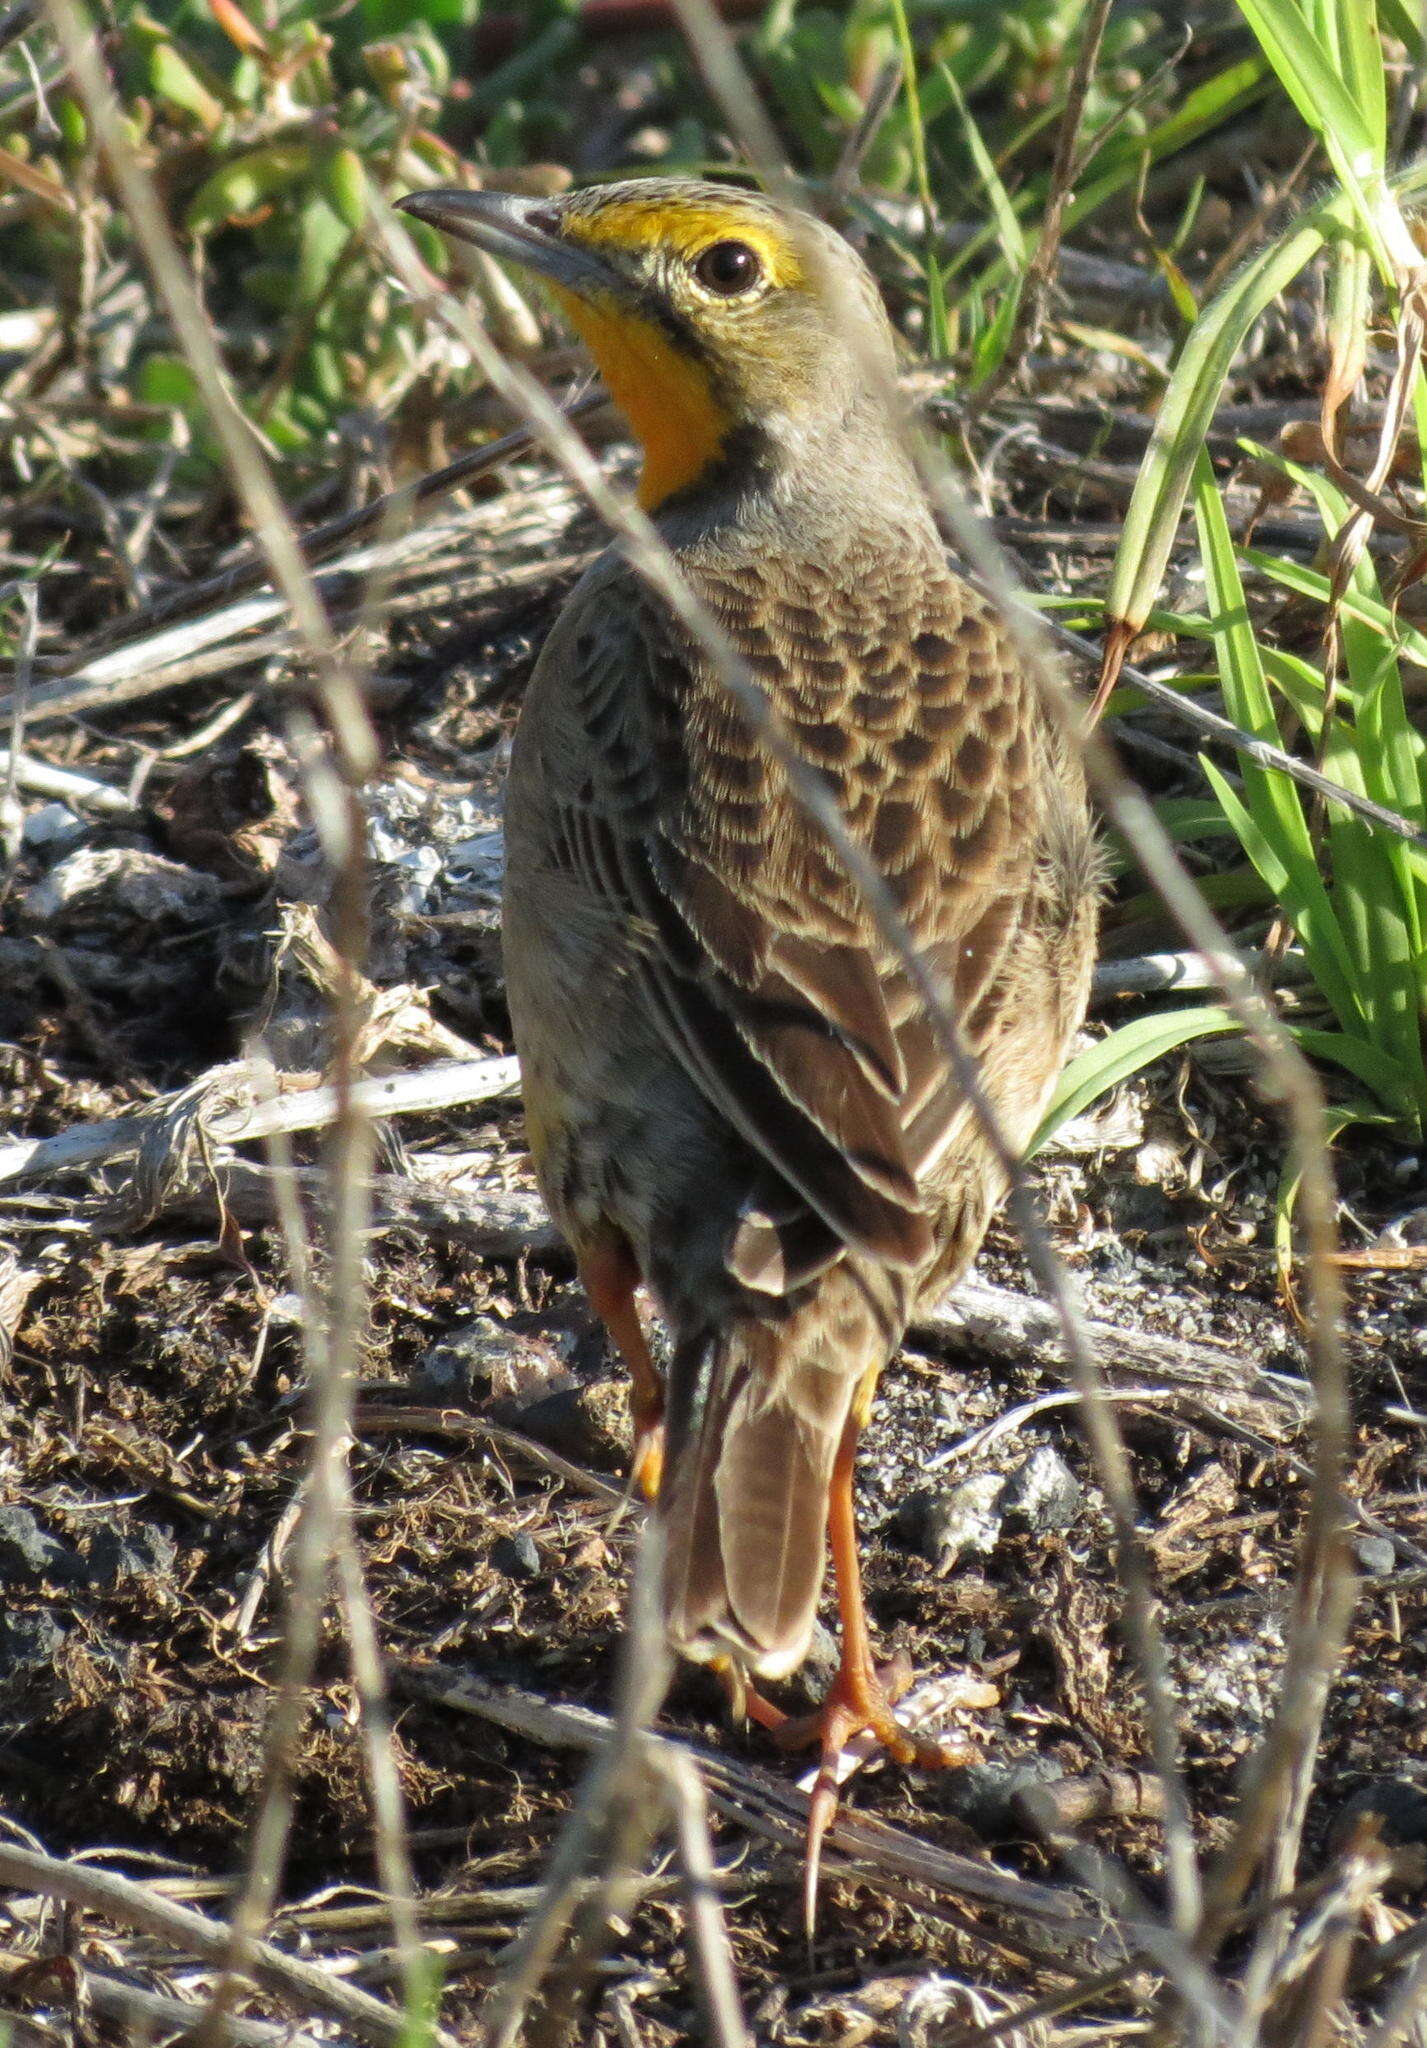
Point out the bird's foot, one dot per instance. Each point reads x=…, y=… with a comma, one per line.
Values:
x=855, y=1700
x=859, y=1701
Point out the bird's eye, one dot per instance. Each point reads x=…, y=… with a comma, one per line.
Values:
x=728, y=268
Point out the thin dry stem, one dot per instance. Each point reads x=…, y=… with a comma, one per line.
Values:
x=19, y=703
x=1272, y=1809
x=713, y=46
x=614, y=1816
x=333, y=770
x=306, y=1987
x=252, y=479
x=708, y=1930
x=1405, y=2009
x=1261, y=752
x=1066, y=168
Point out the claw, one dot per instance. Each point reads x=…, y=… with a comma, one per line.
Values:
x=860, y=1699
x=745, y=1702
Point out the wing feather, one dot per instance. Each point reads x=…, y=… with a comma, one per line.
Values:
x=760, y=966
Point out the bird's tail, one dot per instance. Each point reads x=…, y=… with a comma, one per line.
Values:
x=756, y=1413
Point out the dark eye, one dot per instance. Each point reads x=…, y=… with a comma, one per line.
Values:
x=728, y=268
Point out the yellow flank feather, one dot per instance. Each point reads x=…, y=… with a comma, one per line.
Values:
x=664, y=393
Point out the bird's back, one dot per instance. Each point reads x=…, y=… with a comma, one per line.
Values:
x=706, y=980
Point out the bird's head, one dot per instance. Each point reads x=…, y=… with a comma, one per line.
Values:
x=727, y=328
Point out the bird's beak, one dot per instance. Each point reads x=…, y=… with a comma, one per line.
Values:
x=519, y=230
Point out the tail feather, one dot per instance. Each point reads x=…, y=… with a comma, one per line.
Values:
x=753, y=1432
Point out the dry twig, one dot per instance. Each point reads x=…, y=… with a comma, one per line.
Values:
x=306, y=1987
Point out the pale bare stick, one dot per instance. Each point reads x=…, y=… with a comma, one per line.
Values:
x=305, y=1986
x=233, y=1113
x=766, y=1805
x=708, y=1932
x=1067, y=165
x=614, y=1816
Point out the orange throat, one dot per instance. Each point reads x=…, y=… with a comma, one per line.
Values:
x=665, y=394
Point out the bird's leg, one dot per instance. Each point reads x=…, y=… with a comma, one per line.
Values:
x=860, y=1696
x=745, y=1702
x=610, y=1278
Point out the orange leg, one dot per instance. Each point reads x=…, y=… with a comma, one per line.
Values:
x=745, y=1702
x=610, y=1278
x=861, y=1696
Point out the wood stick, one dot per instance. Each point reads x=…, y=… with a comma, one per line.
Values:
x=757, y=1802
x=1019, y=1327
x=305, y=1986
x=247, y=1103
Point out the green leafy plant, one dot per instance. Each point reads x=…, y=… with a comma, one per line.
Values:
x=1350, y=895
x=1361, y=915
x=268, y=134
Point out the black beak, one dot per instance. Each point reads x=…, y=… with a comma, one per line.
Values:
x=525, y=231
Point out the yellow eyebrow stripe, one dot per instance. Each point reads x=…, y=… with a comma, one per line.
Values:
x=636, y=224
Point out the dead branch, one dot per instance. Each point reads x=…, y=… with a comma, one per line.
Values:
x=306, y=1987
x=235, y=1104
x=763, y=1804
x=1017, y=1327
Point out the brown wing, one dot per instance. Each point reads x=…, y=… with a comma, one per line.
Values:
x=759, y=962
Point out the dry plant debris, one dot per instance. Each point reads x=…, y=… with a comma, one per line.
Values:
x=153, y=1436
x=166, y=974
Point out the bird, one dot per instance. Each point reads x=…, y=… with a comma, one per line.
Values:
x=736, y=1098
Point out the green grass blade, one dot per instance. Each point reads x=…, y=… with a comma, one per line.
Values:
x=1187, y=820
x=1209, y=106
x=1354, y=135
x=1300, y=685
x=1305, y=582
x=1226, y=893
x=938, y=326
x=1123, y=1052
x=1419, y=417
x=1380, y=894
x=1366, y=1062
x=1188, y=408
x=1371, y=913
x=1403, y=19
x=1010, y=234
x=1308, y=75
x=1348, y=30
x=1391, y=752
x=1120, y=164
x=995, y=337
x=1299, y=890
x=1350, y=288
